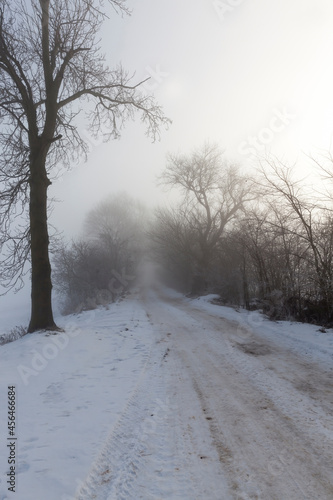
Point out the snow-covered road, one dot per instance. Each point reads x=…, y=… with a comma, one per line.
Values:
x=221, y=413
x=171, y=398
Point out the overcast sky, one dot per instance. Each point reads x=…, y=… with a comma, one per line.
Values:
x=251, y=75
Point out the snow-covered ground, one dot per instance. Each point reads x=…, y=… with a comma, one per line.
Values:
x=306, y=340
x=71, y=389
x=164, y=397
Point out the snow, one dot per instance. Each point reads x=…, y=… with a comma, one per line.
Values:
x=71, y=389
x=305, y=339
x=127, y=403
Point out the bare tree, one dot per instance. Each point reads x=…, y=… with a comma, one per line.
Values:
x=49, y=62
x=311, y=222
x=172, y=244
x=214, y=192
x=118, y=225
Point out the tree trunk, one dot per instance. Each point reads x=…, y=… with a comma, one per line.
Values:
x=41, y=285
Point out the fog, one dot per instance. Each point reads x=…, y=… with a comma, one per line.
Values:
x=252, y=76
x=222, y=72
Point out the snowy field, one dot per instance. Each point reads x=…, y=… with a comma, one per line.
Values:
x=71, y=389
x=164, y=397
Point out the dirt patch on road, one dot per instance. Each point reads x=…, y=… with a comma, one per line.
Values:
x=254, y=348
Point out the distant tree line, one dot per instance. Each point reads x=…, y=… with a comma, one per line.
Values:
x=263, y=242
x=95, y=269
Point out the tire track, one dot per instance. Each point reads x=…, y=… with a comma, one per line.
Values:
x=117, y=462
x=138, y=460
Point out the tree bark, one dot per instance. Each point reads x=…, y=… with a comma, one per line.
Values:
x=41, y=285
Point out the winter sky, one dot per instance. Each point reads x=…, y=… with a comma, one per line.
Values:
x=251, y=75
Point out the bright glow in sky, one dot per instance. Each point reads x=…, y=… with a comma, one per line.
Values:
x=233, y=72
